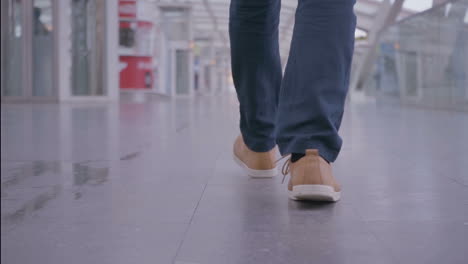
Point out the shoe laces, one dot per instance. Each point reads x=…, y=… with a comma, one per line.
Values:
x=285, y=169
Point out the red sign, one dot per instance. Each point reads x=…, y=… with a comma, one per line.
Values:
x=127, y=9
x=136, y=72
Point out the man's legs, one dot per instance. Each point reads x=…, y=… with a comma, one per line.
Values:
x=316, y=78
x=256, y=68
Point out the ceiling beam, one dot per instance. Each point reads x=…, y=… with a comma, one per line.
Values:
x=209, y=10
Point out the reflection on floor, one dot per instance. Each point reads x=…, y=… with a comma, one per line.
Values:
x=155, y=183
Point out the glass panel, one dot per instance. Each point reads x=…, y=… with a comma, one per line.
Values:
x=169, y=73
x=88, y=47
x=411, y=74
x=431, y=57
x=207, y=79
x=175, y=23
x=182, y=72
x=388, y=75
x=12, y=48
x=42, y=48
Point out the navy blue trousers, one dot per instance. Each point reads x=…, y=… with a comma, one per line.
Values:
x=302, y=109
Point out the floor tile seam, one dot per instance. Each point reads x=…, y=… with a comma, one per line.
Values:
x=194, y=212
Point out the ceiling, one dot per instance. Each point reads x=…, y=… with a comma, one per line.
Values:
x=211, y=19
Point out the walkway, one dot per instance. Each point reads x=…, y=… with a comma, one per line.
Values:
x=155, y=183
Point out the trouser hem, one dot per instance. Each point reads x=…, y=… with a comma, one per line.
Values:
x=257, y=145
x=301, y=146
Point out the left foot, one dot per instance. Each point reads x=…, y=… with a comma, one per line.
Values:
x=255, y=164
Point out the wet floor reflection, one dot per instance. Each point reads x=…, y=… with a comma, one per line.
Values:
x=15, y=175
x=130, y=156
x=76, y=147
x=28, y=187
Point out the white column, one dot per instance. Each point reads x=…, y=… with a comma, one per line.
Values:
x=112, y=44
x=62, y=25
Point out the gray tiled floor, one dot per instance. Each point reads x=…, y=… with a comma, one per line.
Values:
x=155, y=183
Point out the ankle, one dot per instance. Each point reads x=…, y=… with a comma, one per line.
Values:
x=296, y=156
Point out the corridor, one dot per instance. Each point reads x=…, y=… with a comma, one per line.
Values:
x=154, y=182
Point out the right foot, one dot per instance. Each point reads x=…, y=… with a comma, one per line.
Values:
x=312, y=179
x=255, y=164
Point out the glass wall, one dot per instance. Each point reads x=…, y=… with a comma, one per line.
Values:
x=12, y=47
x=27, y=49
x=88, y=47
x=176, y=52
x=57, y=50
x=423, y=59
x=182, y=72
x=42, y=48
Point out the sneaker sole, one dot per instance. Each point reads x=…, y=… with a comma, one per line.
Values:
x=255, y=173
x=314, y=192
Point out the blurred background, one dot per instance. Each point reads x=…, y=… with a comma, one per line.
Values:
x=411, y=51
x=117, y=120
